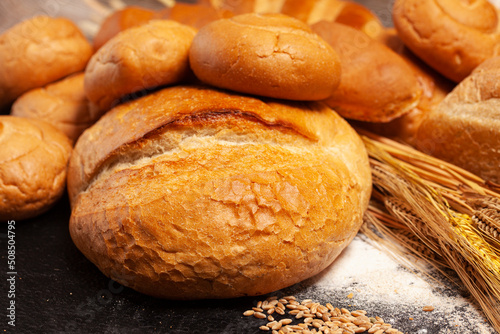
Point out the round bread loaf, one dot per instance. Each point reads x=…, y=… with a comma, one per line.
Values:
x=37, y=52
x=137, y=60
x=464, y=129
x=270, y=55
x=33, y=162
x=62, y=104
x=451, y=36
x=192, y=193
x=377, y=85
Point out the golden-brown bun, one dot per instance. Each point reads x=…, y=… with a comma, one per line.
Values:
x=194, y=193
x=128, y=17
x=453, y=37
x=434, y=88
x=39, y=51
x=33, y=161
x=465, y=128
x=62, y=104
x=377, y=85
x=138, y=59
x=270, y=55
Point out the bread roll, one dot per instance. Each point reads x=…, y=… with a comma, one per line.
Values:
x=192, y=193
x=33, y=160
x=465, y=128
x=39, y=51
x=62, y=104
x=137, y=60
x=270, y=55
x=434, y=88
x=377, y=85
x=128, y=17
x=453, y=37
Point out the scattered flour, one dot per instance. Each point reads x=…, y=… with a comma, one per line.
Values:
x=374, y=280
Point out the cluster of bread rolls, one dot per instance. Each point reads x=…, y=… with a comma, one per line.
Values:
x=212, y=155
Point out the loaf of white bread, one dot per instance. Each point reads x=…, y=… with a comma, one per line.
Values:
x=191, y=192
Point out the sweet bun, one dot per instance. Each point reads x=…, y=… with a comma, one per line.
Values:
x=33, y=162
x=138, y=59
x=453, y=37
x=123, y=19
x=62, y=104
x=197, y=193
x=270, y=55
x=377, y=85
x=37, y=52
x=465, y=127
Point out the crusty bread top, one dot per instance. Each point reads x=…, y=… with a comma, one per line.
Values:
x=193, y=185
x=464, y=129
x=453, y=37
x=271, y=55
x=33, y=160
x=377, y=85
x=62, y=103
x=312, y=121
x=39, y=51
x=137, y=60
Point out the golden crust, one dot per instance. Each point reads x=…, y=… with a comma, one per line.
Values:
x=223, y=196
x=453, y=37
x=33, y=161
x=377, y=85
x=37, y=52
x=270, y=55
x=137, y=60
x=62, y=104
x=465, y=127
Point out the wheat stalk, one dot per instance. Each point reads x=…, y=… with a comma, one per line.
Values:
x=438, y=212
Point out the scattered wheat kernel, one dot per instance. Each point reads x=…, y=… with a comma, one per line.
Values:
x=411, y=318
x=280, y=305
x=286, y=321
x=275, y=332
x=350, y=295
x=330, y=307
x=291, y=306
x=264, y=328
x=259, y=304
x=428, y=308
x=295, y=312
x=360, y=330
x=380, y=331
x=270, y=318
x=259, y=315
x=308, y=320
x=257, y=309
x=280, y=311
x=283, y=301
x=271, y=298
x=277, y=326
x=289, y=298
x=271, y=310
x=248, y=313
x=271, y=324
x=299, y=315
x=306, y=301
